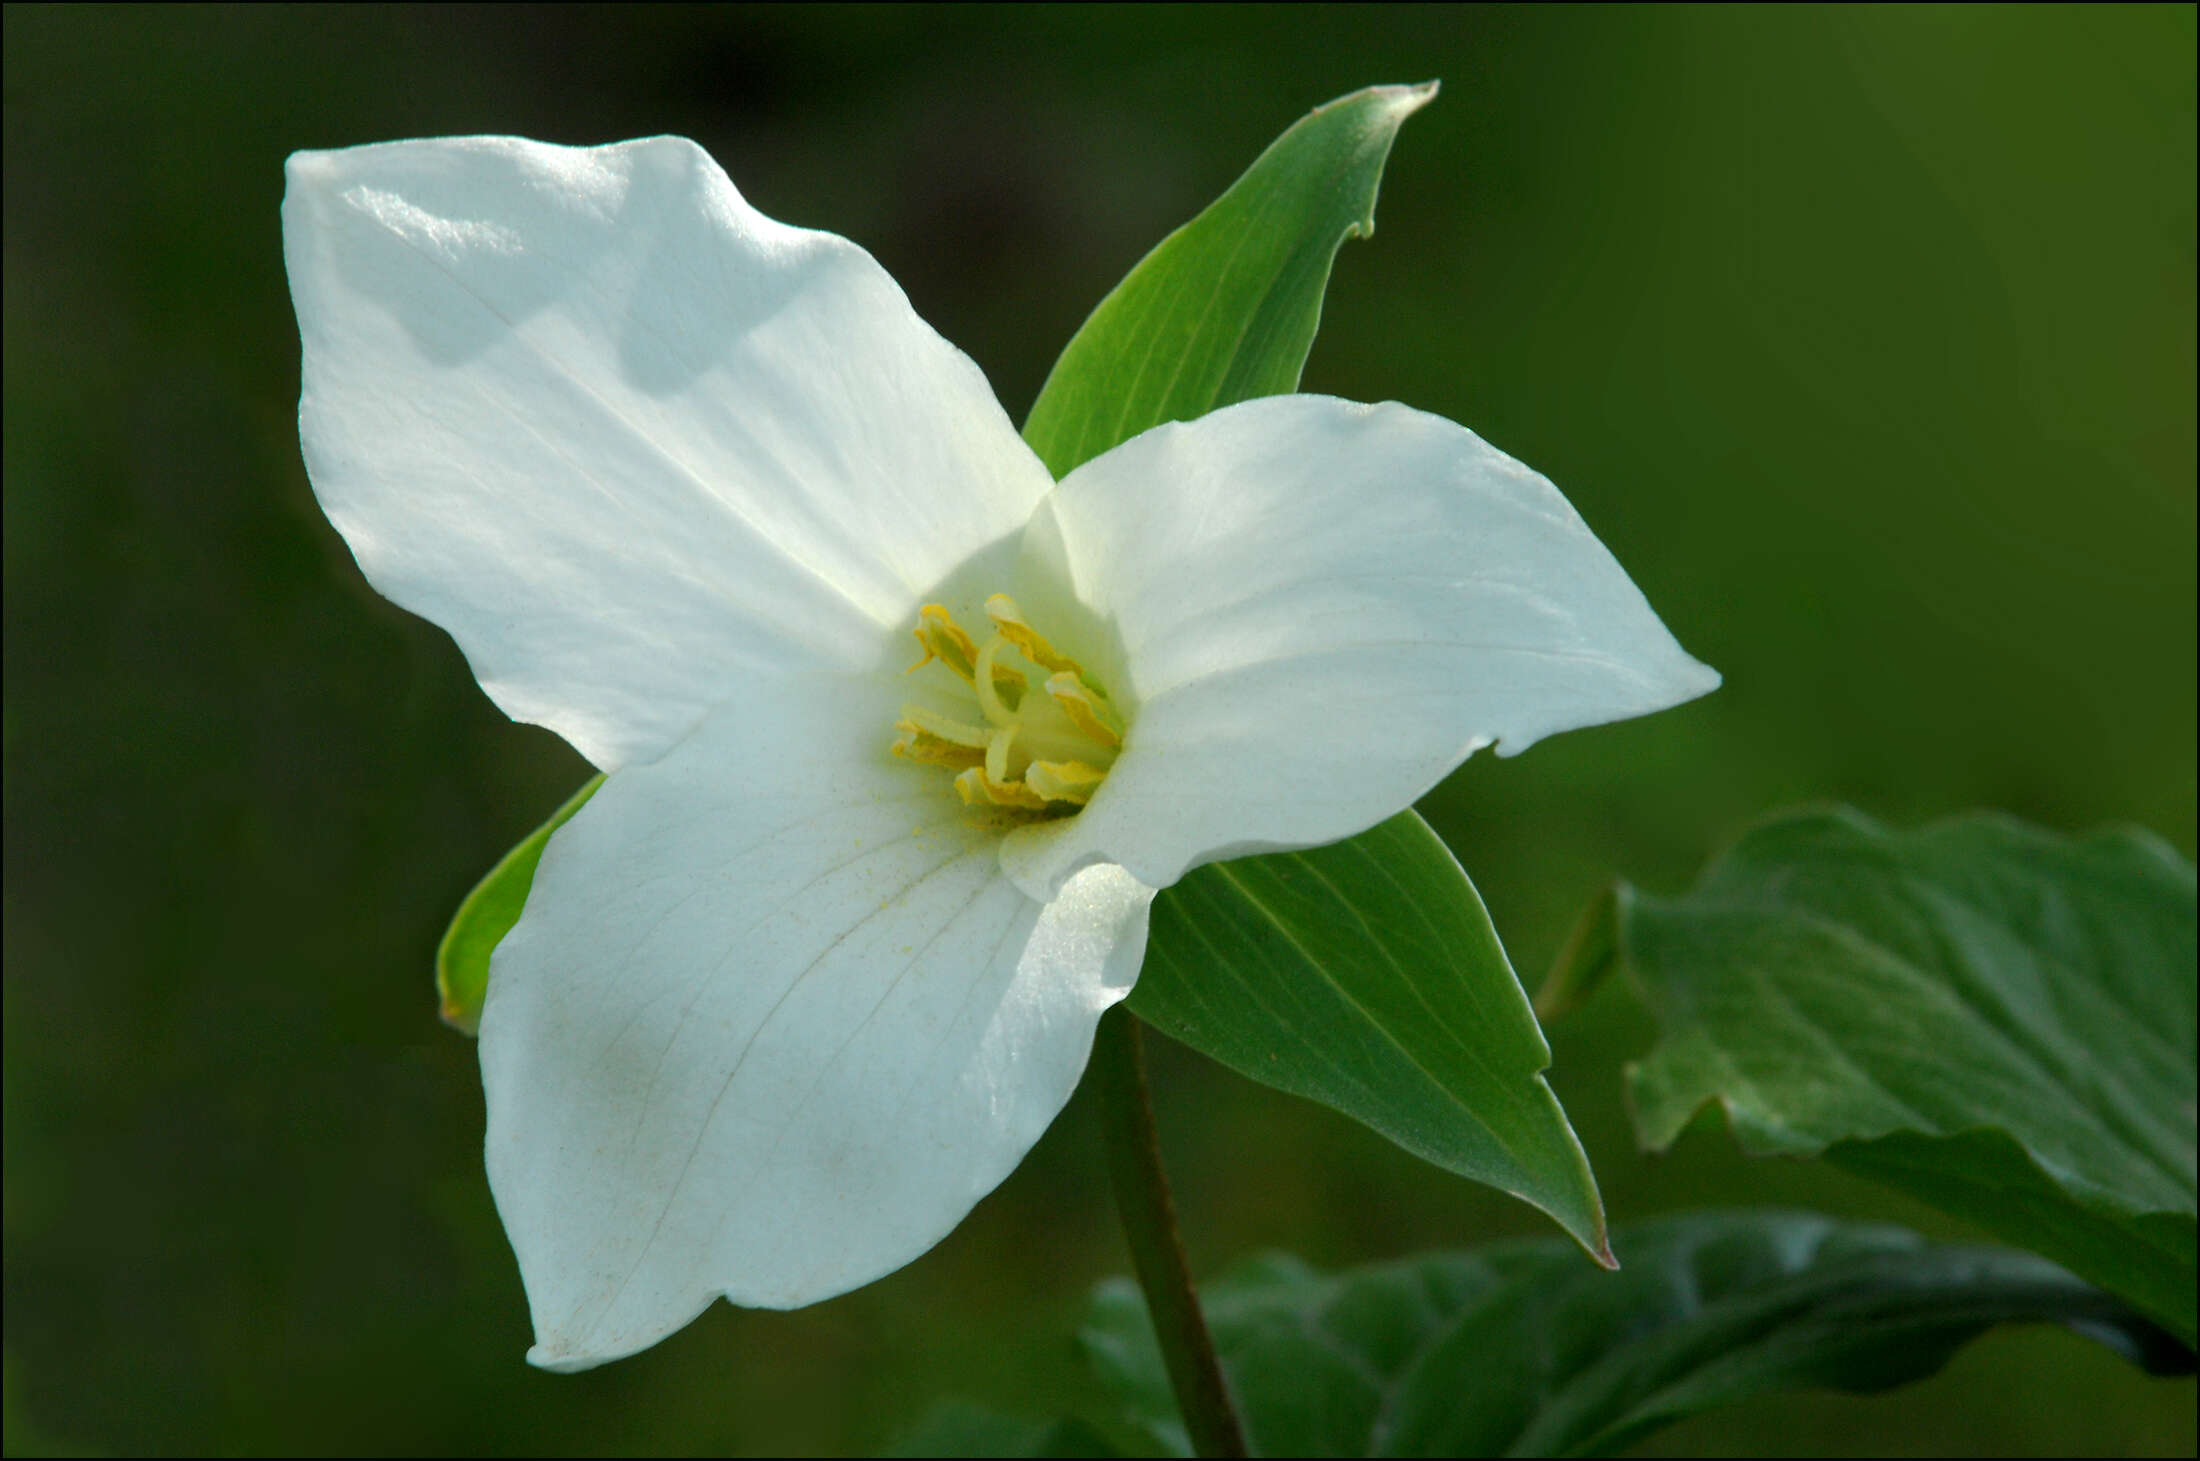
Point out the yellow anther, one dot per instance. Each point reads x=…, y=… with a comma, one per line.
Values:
x=1064, y=781
x=978, y=789
x=1092, y=714
x=944, y=640
x=928, y=749
x=946, y=727
x=1020, y=753
x=1009, y=619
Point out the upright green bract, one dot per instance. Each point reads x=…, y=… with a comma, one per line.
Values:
x=1991, y=1018
x=1365, y=976
x=1225, y=308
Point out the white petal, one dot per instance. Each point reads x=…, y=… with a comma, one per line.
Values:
x=1320, y=609
x=621, y=434
x=773, y=1021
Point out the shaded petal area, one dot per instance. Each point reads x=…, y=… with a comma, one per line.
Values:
x=774, y=1021
x=1318, y=610
x=620, y=433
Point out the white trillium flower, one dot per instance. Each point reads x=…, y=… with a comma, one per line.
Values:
x=822, y=959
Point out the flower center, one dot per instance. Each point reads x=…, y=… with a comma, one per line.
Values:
x=1043, y=751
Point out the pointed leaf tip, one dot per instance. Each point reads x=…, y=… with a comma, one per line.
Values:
x=1359, y=975
x=1225, y=308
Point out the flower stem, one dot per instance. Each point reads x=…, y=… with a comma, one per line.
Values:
x=1149, y=1222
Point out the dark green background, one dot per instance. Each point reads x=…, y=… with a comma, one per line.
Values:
x=1864, y=338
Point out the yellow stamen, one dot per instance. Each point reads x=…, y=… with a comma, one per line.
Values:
x=1064, y=781
x=1018, y=753
x=947, y=728
x=978, y=789
x=927, y=749
x=944, y=640
x=1092, y=714
x=1009, y=619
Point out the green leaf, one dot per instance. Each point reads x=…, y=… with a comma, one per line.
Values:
x=1520, y=1349
x=1993, y=1019
x=1366, y=975
x=487, y=915
x=1225, y=308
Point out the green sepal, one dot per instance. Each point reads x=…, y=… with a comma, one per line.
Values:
x=487, y=915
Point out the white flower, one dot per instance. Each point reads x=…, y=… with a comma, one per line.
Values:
x=823, y=958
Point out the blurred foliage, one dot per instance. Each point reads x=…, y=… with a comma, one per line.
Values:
x=1865, y=338
x=1518, y=1348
